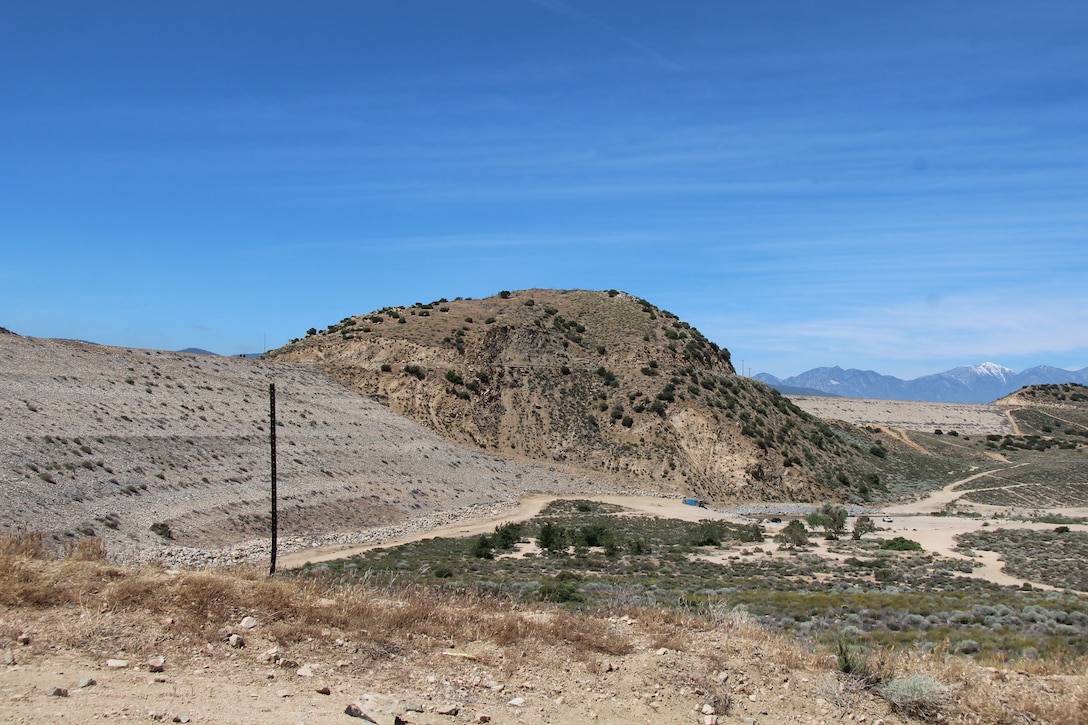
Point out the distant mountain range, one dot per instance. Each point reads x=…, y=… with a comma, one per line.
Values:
x=966, y=384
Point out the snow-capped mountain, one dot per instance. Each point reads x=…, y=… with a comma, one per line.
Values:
x=980, y=383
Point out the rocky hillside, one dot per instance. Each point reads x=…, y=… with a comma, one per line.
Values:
x=1057, y=411
x=599, y=381
x=154, y=450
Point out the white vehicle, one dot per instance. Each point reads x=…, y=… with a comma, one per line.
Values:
x=887, y=519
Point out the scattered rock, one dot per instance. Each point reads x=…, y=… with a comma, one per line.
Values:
x=57, y=692
x=710, y=720
x=236, y=641
x=156, y=664
x=117, y=664
x=662, y=651
x=305, y=671
x=354, y=710
x=248, y=623
x=7, y=657
x=450, y=710
x=323, y=690
x=86, y=682
x=413, y=707
x=708, y=709
x=284, y=693
x=24, y=639
x=481, y=718
x=181, y=717
x=517, y=702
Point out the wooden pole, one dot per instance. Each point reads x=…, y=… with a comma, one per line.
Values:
x=272, y=441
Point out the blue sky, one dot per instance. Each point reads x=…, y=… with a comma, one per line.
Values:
x=899, y=187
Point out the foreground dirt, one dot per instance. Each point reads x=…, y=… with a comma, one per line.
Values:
x=432, y=660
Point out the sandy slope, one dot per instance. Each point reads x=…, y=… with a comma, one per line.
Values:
x=108, y=441
x=968, y=418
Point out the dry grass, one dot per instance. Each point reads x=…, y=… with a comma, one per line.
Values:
x=86, y=604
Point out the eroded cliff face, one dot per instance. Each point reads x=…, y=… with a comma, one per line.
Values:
x=592, y=381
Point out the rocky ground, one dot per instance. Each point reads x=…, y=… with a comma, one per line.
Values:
x=161, y=645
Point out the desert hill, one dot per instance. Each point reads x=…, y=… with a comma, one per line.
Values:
x=601, y=382
x=1049, y=410
x=110, y=442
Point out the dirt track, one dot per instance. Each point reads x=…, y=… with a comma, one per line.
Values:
x=528, y=507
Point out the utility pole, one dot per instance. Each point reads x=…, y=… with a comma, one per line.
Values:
x=272, y=441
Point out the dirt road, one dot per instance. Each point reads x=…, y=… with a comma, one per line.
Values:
x=528, y=507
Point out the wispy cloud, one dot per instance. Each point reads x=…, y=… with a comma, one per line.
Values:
x=578, y=16
x=922, y=336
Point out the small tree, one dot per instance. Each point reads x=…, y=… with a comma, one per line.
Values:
x=794, y=535
x=862, y=526
x=483, y=548
x=552, y=537
x=829, y=517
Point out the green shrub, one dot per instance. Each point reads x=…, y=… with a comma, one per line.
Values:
x=482, y=548
x=914, y=695
x=794, y=534
x=552, y=537
x=900, y=543
x=506, y=536
x=453, y=377
x=560, y=589
x=161, y=529
x=853, y=659
x=862, y=526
